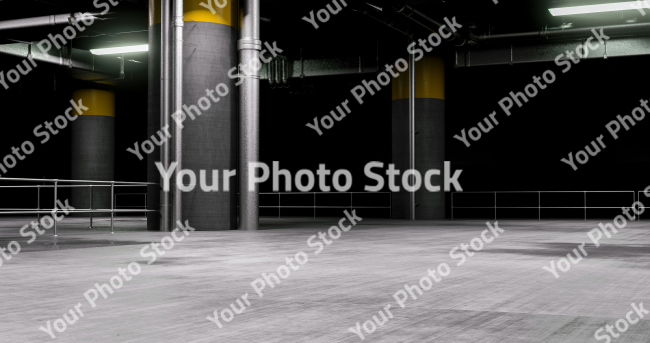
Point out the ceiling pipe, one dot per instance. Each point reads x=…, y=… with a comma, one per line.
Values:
x=367, y=11
x=48, y=20
x=177, y=101
x=560, y=33
x=249, y=46
x=409, y=11
x=82, y=64
x=165, y=151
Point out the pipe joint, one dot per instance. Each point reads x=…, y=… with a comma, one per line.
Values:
x=249, y=44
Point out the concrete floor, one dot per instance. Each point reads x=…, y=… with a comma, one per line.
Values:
x=501, y=294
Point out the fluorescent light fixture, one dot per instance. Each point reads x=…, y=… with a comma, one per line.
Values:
x=120, y=50
x=618, y=6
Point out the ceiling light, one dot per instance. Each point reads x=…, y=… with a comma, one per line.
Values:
x=120, y=50
x=618, y=6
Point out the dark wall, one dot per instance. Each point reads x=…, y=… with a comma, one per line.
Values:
x=523, y=152
x=41, y=96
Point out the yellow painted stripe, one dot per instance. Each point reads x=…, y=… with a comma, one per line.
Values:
x=99, y=102
x=154, y=12
x=429, y=80
x=193, y=11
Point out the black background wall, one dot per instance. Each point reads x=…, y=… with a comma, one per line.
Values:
x=522, y=153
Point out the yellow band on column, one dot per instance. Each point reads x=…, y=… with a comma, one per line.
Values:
x=206, y=11
x=99, y=102
x=429, y=80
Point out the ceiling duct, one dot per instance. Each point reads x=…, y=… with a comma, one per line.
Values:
x=48, y=20
x=562, y=33
x=82, y=64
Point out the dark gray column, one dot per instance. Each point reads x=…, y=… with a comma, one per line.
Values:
x=429, y=139
x=93, y=148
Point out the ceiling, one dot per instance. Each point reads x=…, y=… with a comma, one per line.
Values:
x=347, y=33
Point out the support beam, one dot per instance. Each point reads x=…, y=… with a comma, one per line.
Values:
x=412, y=131
x=422, y=149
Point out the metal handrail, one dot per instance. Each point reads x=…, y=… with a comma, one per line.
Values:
x=279, y=207
x=539, y=207
x=75, y=181
x=56, y=186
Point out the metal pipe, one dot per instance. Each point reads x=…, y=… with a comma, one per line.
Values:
x=96, y=68
x=437, y=25
x=165, y=197
x=560, y=32
x=387, y=23
x=177, y=102
x=249, y=46
x=412, y=131
x=48, y=20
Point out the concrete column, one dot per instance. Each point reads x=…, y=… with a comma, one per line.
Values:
x=429, y=138
x=93, y=147
x=210, y=140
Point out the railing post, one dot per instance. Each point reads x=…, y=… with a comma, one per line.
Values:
x=56, y=183
x=539, y=205
x=585, y=203
x=91, y=206
x=112, y=204
x=638, y=197
x=38, y=205
x=452, y=205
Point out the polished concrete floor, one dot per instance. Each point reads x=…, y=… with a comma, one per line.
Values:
x=501, y=294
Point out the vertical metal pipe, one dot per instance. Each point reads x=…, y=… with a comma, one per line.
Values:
x=112, y=204
x=249, y=46
x=412, y=131
x=56, y=183
x=177, y=102
x=165, y=197
x=91, y=206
